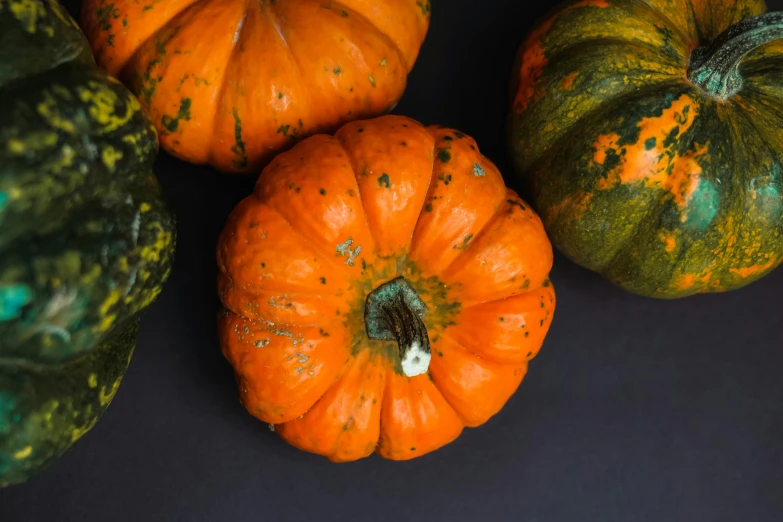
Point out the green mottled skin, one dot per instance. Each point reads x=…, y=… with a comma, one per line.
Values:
x=638, y=174
x=86, y=240
x=38, y=422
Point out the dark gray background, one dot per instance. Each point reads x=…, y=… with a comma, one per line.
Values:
x=635, y=409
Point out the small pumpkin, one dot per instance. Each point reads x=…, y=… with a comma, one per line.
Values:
x=86, y=240
x=649, y=132
x=382, y=289
x=231, y=83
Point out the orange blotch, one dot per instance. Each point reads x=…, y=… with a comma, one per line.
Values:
x=576, y=202
x=671, y=243
x=685, y=282
x=752, y=270
x=567, y=83
x=534, y=56
x=533, y=62
x=649, y=161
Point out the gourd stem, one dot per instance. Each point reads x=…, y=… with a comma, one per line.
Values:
x=715, y=67
x=394, y=311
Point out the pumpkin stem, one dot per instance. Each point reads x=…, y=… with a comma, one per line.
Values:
x=394, y=312
x=715, y=67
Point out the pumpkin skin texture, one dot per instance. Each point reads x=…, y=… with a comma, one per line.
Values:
x=641, y=168
x=382, y=290
x=86, y=239
x=269, y=73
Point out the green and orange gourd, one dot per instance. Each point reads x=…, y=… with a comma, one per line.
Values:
x=382, y=290
x=233, y=82
x=650, y=135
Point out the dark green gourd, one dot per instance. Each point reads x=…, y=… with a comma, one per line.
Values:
x=86, y=239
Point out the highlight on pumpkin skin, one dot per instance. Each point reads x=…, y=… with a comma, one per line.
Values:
x=648, y=136
x=271, y=72
x=382, y=290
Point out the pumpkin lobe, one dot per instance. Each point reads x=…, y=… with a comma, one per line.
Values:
x=715, y=67
x=394, y=312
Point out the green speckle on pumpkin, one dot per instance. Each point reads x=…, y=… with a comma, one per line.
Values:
x=337, y=70
x=425, y=7
x=649, y=144
x=12, y=298
x=344, y=14
x=323, y=280
x=172, y=124
x=478, y=170
x=383, y=180
x=239, y=146
x=428, y=207
x=372, y=80
x=279, y=95
x=465, y=241
x=322, y=192
x=383, y=62
x=444, y=155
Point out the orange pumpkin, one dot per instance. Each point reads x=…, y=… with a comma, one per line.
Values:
x=232, y=82
x=382, y=289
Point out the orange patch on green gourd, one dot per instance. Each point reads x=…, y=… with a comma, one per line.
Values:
x=576, y=202
x=652, y=159
x=568, y=82
x=752, y=270
x=534, y=58
x=670, y=242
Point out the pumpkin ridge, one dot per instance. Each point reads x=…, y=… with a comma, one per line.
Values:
x=654, y=210
x=354, y=360
x=446, y=400
x=329, y=259
x=743, y=215
x=358, y=192
x=223, y=81
x=684, y=39
x=403, y=58
x=441, y=145
x=292, y=57
x=121, y=72
x=498, y=214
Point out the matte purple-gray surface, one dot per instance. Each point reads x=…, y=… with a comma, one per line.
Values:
x=635, y=409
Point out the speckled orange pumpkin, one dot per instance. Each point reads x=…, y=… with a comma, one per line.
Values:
x=383, y=289
x=232, y=82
